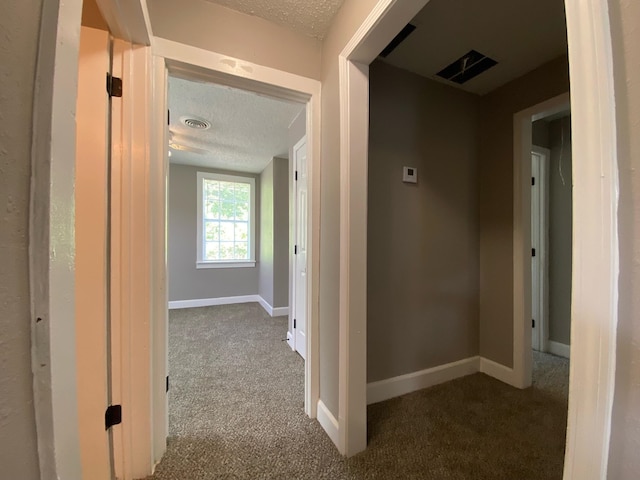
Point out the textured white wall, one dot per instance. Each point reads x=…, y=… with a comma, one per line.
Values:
x=19, y=24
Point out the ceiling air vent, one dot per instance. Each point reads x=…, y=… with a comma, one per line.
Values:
x=404, y=33
x=468, y=66
x=195, y=123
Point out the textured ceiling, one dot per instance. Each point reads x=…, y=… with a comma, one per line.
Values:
x=521, y=35
x=247, y=129
x=310, y=17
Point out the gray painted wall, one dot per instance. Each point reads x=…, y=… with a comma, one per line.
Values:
x=186, y=282
x=496, y=200
x=20, y=25
x=281, y=250
x=274, y=233
x=540, y=133
x=560, y=228
x=265, y=270
x=624, y=461
x=423, y=250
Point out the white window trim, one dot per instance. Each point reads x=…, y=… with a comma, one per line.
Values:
x=200, y=263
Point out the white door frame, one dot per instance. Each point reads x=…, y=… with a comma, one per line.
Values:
x=542, y=251
x=595, y=271
x=521, y=374
x=198, y=64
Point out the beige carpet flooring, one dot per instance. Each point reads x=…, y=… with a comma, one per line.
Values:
x=236, y=412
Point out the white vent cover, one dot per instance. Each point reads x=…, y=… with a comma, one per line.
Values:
x=195, y=123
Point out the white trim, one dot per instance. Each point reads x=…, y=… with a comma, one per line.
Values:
x=128, y=20
x=498, y=371
x=386, y=19
x=522, y=147
x=594, y=307
x=559, y=349
x=203, y=65
x=328, y=422
x=238, y=264
x=273, y=311
x=208, y=302
x=410, y=382
x=251, y=181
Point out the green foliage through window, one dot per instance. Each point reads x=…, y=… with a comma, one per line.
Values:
x=226, y=220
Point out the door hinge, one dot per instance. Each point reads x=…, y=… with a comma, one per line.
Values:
x=167, y=382
x=533, y=323
x=113, y=416
x=295, y=249
x=533, y=252
x=168, y=117
x=533, y=181
x=296, y=175
x=294, y=323
x=114, y=86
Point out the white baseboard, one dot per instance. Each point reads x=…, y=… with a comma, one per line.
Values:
x=273, y=311
x=410, y=382
x=560, y=349
x=208, y=302
x=497, y=371
x=290, y=340
x=328, y=423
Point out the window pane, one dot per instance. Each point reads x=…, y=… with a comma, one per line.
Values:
x=242, y=232
x=227, y=211
x=212, y=251
x=242, y=211
x=242, y=191
x=226, y=192
x=212, y=189
x=242, y=250
x=226, y=251
x=212, y=231
x=226, y=231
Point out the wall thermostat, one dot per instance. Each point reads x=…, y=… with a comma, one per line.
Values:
x=409, y=175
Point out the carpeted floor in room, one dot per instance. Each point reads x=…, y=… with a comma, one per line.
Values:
x=236, y=412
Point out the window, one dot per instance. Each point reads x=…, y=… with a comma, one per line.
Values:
x=225, y=221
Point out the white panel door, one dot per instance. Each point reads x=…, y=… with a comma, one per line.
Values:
x=535, y=252
x=300, y=248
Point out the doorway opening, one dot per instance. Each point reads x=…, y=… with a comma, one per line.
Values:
x=237, y=263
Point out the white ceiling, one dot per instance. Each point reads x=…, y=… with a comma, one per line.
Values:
x=519, y=34
x=247, y=130
x=309, y=17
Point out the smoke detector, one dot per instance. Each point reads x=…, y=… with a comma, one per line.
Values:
x=195, y=123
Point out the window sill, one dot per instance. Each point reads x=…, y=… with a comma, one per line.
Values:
x=238, y=264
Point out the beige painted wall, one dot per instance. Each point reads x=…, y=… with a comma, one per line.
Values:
x=344, y=26
x=496, y=200
x=560, y=230
x=423, y=251
x=186, y=282
x=19, y=24
x=212, y=27
x=624, y=461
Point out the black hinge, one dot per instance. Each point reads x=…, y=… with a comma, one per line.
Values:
x=167, y=381
x=533, y=252
x=113, y=416
x=168, y=117
x=295, y=249
x=294, y=323
x=296, y=175
x=533, y=323
x=114, y=86
x=533, y=181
